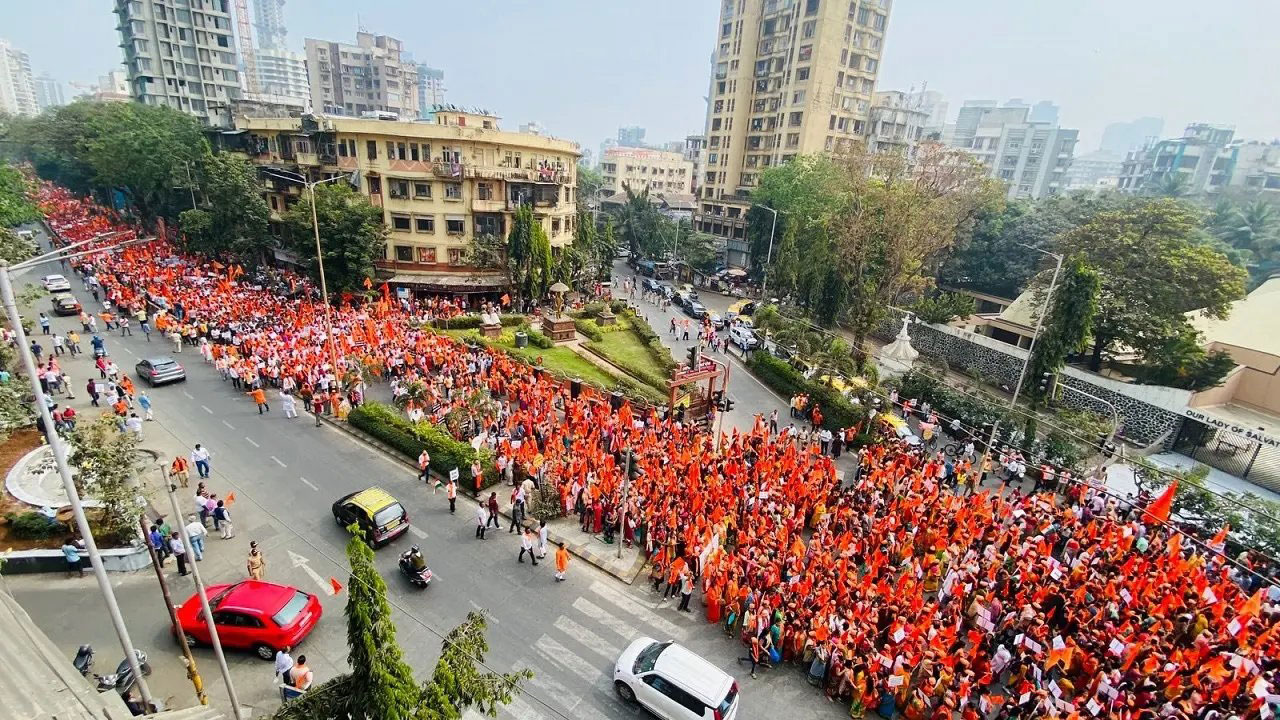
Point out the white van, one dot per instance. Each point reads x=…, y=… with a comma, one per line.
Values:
x=673, y=683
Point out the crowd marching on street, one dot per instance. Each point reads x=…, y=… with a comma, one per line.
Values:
x=893, y=591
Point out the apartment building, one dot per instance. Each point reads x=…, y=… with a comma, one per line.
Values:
x=430, y=89
x=17, y=87
x=897, y=123
x=49, y=92
x=181, y=54
x=282, y=73
x=268, y=24
x=373, y=76
x=658, y=171
x=1031, y=158
x=695, y=151
x=1205, y=156
x=790, y=77
x=439, y=184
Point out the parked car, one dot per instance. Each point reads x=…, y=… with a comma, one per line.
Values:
x=160, y=370
x=667, y=291
x=682, y=299
x=55, y=283
x=695, y=310
x=252, y=615
x=651, y=285
x=380, y=516
x=717, y=321
x=65, y=304
x=687, y=289
x=744, y=337
x=672, y=682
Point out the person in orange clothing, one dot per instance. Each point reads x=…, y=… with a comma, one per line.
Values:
x=259, y=397
x=562, y=562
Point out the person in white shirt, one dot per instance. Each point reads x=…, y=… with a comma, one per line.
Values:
x=196, y=533
x=289, y=404
x=482, y=520
x=284, y=663
x=134, y=425
x=200, y=458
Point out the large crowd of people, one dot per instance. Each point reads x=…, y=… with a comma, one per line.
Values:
x=894, y=592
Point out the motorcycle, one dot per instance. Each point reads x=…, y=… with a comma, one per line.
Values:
x=419, y=578
x=122, y=680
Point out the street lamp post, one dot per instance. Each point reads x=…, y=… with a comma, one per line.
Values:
x=764, y=283
x=324, y=288
x=59, y=449
x=1017, y=389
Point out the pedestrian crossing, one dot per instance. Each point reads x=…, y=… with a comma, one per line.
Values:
x=573, y=659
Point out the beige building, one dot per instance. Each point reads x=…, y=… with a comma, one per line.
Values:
x=439, y=184
x=658, y=171
x=372, y=76
x=897, y=123
x=790, y=77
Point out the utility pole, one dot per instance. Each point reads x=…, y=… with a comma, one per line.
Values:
x=59, y=449
x=204, y=605
x=192, y=673
x=626, y=489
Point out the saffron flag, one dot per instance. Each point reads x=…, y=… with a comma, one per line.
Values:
x=368, y=283
x=337, y=586
x=1163, y=504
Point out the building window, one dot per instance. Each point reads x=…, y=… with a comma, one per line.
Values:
x=454, y=226
x=424, y=224
x=404, y=253
x=375, y=186
x=413, y=151
x=795, y=119
x=811, y=7
x=802, y=74
x=555, y=226
x=455, y=255
x=427, y=256
x=422, y=191
x=484, y=191
x=806, y=52
x=399, y=188
x=371, y=149
x=453, y=191
x=809, y=28
x=400, y=222
x=797, y=97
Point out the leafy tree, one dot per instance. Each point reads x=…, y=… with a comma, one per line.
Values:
x=234, y=220
x=529, y=255
x=1153, y=268
x=1252, y=228
x=381, y=683
x=14, y=249
x=15, y=207
x=700, y=250
x=1181, y=361
x=639, y=225
x=590, y=180
x=897, y=216
x=1172, y=185
x=106, y=466
x=487, y=251
x=352, y=235
x=540, y=262
x=15, y=411
x=944, y=307
x=1066, y=328
x=807, y=192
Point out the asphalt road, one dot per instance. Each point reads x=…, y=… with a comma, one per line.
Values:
x=286, y=473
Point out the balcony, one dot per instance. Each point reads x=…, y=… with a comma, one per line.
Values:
x=490, y=205
x=448, y=170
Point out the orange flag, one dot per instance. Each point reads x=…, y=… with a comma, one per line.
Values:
x=1221, y=537
x=1163, y=504
x=1253, y=606
x=368, y=283
x=231, y=498
x=337, y=586
x=506, y=299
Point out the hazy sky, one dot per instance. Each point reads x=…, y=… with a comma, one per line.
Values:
x=584, y=67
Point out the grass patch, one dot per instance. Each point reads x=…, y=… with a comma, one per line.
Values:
x=626, y=349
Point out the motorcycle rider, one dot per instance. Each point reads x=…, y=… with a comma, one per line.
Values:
x=416, y=561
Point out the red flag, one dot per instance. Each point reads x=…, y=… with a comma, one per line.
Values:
x=337, y=586
x=386, y=292
x=1163, y=504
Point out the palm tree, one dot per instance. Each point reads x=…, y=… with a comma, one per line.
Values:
x=635, y=218
x=1173, y=185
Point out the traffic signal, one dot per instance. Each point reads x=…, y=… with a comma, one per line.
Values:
x=634, y=472
x=1045, y=378
x=695, y=356
x=728, y=403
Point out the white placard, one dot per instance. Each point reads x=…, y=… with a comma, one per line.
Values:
x=454, y=474
x=1234, y=627
x=1117, y=647
x=897, y=636
x=895, y=680
x=1058, y=644
x=1094, y=706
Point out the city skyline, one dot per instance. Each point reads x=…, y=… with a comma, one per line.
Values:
x=1097, y=73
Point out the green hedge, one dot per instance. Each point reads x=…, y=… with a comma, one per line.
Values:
x=472, y=322
x=837, y=412
x=589, y=329
x=390, y=426
x=660, y=353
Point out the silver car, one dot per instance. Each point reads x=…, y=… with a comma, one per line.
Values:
x=160, y=370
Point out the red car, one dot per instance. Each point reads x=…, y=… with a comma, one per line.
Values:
x=252, y=615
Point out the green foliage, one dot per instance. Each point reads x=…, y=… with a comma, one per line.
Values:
x=590, y=180
x=1182, y=362
x=529, y=255
x=1066, y=329
x=1252, y=229
x=15, y=206
x=948, y=401
x=640, y=225
x=457, y=682
x=233, y=221
x=106, y=464
x=837, y=412
x=32, y=526
x=538, y=340
x=352, y=235
x=1154, y=268
x=393, y=428
x=14, y=249
x=15, y=411
x=472, y=322
x=944, y=307
x=593, y=250
x=144, y=150
x=487, y=251
x=589, y=329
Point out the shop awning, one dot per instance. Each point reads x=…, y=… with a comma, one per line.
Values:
x=453, y=282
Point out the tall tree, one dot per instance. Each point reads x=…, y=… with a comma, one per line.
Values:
x=381, y=683
x=352, y=235
x=590, y=180
x=1066, y=328
x=15, y=206
x=1154, y=268
x=233, y=222
x=106, y=469
x=639, y=225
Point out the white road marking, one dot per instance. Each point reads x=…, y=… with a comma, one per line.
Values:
x=629, y=605
x=308, y=482
x=206, y=409
x=130, y=352
x=273, y=457
x=488, y=615
x=189, y=395
x=224, y=422
x=417, y=531
x=594, y=642
x=560, y=655
x=251, y=442
x=552, y=689
x=602, y=616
